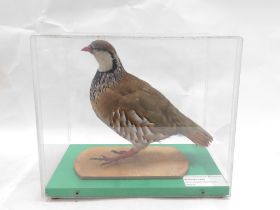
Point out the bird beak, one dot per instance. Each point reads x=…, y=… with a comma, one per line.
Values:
x=86, y=49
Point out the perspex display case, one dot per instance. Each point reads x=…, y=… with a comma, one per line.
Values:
x=199, y=75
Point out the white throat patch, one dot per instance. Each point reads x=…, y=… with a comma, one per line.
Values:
x=104, y=60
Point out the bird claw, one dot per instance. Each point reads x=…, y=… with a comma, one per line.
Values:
x=107, y=160
x=113, y=160
x=118, y=152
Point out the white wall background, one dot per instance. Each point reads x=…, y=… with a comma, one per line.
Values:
x=257, y=154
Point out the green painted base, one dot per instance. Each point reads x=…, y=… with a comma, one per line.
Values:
x=203, y=179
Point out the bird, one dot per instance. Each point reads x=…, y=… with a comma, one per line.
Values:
x=133, y=108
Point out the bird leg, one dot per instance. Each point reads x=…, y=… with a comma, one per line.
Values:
x=121, y=155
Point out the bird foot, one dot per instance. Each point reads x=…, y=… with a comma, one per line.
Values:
x=106, y=160
x=113, y=160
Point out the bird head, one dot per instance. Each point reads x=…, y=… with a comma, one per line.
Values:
x=104, y=53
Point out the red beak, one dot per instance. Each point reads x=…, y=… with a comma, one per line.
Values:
x=86, y=49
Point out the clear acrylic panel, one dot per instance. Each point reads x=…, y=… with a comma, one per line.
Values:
x=198, y=74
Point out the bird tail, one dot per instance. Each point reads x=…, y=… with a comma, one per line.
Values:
x=197, y=135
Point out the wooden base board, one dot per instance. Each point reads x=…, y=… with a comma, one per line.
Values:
x=153, y=162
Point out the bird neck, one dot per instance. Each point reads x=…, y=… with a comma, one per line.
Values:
x=104, y=80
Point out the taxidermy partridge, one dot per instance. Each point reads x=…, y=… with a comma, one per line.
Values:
x=133, y=108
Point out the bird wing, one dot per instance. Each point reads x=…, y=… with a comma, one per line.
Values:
x=142, y=113
x=151, y=104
